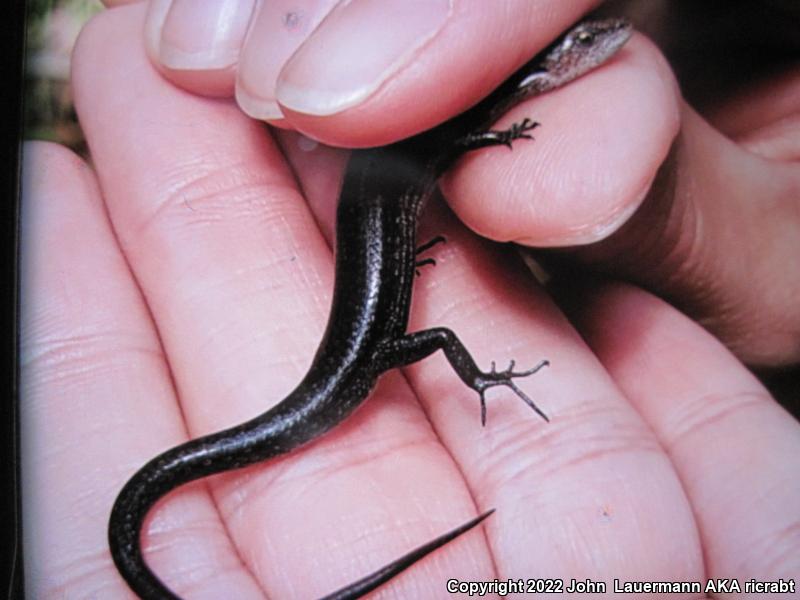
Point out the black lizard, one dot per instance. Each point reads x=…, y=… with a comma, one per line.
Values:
x=383, y=193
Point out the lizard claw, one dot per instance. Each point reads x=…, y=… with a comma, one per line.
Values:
x=506, y=378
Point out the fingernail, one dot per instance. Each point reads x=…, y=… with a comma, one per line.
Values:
x=153, y=24
x=203, y=35
x=355, y=49
x=277, y=30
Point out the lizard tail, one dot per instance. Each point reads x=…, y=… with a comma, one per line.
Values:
x=384, y=574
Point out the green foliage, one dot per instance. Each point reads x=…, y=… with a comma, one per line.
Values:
x=49, y=114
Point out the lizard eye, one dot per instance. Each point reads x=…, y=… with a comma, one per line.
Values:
x=585, y=38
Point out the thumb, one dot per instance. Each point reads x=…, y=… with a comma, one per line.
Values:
x=717, y=235
x=707, y=221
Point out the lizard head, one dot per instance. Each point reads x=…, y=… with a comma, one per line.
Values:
x=581, y=49
x=587, y=45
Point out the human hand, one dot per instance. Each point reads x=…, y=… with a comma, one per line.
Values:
x=232, y=280
x=707, y=219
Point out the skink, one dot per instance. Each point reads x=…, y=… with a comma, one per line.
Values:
x=382, y=195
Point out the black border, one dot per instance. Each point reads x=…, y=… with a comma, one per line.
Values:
x=12, y=51
x=783, y=384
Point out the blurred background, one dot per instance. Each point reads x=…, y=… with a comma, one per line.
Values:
x=52, y=28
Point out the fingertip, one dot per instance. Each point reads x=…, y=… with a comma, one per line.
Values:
x=601, y=141
x=203, y=36
x=197, y=45
x=155, y=17
x=372, y=42
x=36, y=151
x=369, y=59
x=276, y=31
x=106, y=37
x=54, y=172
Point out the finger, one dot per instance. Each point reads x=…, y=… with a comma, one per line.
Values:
x=491, y=324
x=763, y=117
x=734, y=448
x=420, y=65
x=92, y=373
x=197, y=45
x=711, y=230
x=715, y=235
x=565, y=503
x=601, y=139
x=238, y=279
x=277, y=30
x=217, y=48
